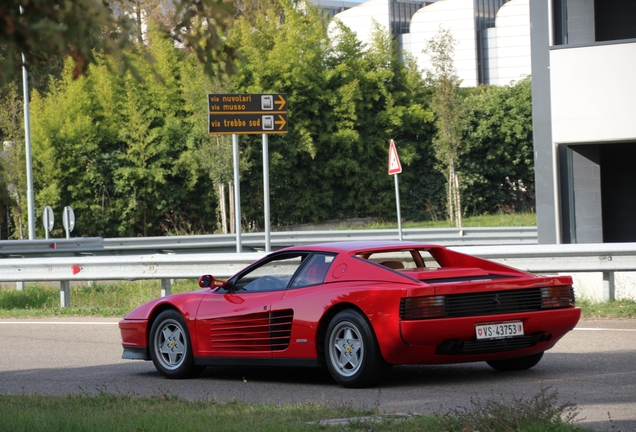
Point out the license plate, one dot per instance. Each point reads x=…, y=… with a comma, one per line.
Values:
x=499, y=331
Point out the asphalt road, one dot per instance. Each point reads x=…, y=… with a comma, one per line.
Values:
x=593, y=367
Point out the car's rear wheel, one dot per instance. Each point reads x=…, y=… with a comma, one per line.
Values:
x=517, y=363
x=170, y=347
x=352, y=352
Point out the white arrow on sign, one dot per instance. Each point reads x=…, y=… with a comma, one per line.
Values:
x=394, y=161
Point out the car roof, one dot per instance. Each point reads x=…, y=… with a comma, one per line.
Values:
x=362, y=245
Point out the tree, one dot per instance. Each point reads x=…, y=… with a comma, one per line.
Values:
x=213, y=153
x=132, y=155
x=66, y=144
x=122, y=151
x=499, y=167
x=284, y=53
x=447, y=104
x=43, y=30
x=346, y=101
x=12, y=156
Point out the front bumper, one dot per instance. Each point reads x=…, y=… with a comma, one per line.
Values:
x=136, y=353
x=134, y=339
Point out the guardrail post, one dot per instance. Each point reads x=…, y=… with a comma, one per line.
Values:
x=19, y=286
x=608, y=286
x=65, y=294
x=166, y=284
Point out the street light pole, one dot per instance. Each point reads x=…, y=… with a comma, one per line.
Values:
x=27, y=140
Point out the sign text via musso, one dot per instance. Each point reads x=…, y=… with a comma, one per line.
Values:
x=247, y=113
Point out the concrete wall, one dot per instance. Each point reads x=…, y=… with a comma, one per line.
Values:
x=507, y=53
x=549, y=231
x=590, y=286
x=458, y=16
x=588, y=212
x=580, y=22
x=507, y=47
x=361, y=18
x=593, y=93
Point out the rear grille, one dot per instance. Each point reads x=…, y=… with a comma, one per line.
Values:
x=492, y=303
x=472, y=304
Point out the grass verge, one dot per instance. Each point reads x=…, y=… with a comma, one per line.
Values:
x=108, y=412
x=486, y=220
x=98, y=299
x=617, y=309
x=117, y=299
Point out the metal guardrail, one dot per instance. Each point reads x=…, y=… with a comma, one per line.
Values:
x=41, y=247
x=555, y=258
x=602, y=257
x=256, y=241
x=132, y=267
x=279, y=240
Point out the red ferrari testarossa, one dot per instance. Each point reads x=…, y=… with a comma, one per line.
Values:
x=358, y=308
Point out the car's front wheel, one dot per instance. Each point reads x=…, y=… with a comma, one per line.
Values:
x=517, y=363
x=353, y=355
x=170, y=347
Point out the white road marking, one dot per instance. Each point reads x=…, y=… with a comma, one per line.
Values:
x=603, y=329
x=60, y=322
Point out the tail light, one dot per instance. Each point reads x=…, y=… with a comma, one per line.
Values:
x=557, y=297
x=414, y=308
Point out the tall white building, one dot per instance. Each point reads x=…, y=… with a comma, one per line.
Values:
x=584, y=106
x=582, y=58
x=333, y=7
x=492, y=36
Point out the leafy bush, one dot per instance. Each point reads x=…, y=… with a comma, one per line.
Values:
x=541, y=412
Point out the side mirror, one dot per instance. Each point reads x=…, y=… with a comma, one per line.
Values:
x=209, y=281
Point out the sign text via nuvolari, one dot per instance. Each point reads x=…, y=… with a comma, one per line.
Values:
x=247, y=113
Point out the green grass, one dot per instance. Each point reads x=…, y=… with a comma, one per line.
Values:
x=487, y=220
x=100, y=299
x=117, y=299
x=108, y=412
x=608, y=309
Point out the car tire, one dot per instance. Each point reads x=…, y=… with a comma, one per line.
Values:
x=517, y=363
x=170, y=346
x=352, y=353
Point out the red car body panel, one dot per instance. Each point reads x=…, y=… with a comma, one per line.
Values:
x=424, y=336
x=235, y=325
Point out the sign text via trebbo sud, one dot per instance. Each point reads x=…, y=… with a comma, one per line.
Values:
x=248, y=113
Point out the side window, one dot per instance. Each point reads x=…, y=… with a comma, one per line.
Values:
x=314, y=271
x=272, y=275
x=403, y=259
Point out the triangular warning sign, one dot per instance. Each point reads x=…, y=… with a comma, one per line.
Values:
x=394, y=161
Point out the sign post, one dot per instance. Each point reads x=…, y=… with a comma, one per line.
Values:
x=48, y=219
x=248, y=114
x=394, y=169
x=237, y=193
x=268, y=247
x=68, y=220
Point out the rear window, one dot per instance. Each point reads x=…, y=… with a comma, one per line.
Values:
x=402, y=259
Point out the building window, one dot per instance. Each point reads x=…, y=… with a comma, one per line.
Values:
x=615, y=20
x=585, y=23
x=486, y=12
x=401, y=14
